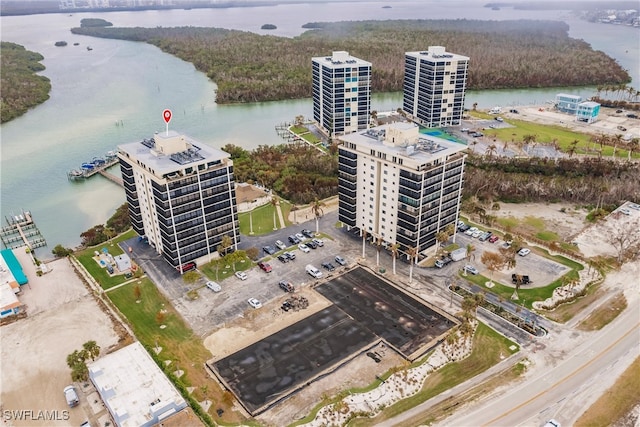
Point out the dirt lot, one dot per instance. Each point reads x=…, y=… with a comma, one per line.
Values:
x=62, y=315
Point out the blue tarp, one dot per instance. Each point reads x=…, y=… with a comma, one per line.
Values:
x=14, y=266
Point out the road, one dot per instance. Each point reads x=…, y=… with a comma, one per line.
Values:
x=562, y=391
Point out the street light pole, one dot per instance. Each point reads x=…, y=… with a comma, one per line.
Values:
x=251, y=218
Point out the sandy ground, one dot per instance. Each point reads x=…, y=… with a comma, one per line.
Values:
x=62, y=315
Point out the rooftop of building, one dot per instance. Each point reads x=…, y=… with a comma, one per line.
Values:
x=340, y=59
x=438, y=53
x=588, y=104
x=403, y=140
x=132, y=385
x=168, y=152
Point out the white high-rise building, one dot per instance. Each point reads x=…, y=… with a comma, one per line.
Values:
x=399, y=185
x=341, y=93
x=434, y=86
x=181, y=196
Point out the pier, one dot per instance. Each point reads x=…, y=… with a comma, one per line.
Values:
x=97, y=166
x=21, y=231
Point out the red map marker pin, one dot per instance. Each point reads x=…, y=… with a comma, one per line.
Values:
x=166, y=115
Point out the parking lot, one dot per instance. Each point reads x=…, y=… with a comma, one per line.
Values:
x=212, y=309
x=541, y=270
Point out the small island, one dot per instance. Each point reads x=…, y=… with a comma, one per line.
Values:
x=268, y=27
x=61, y=43
x=94, y=23
x=386, y=7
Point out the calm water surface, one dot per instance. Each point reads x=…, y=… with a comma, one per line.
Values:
x=131, y=83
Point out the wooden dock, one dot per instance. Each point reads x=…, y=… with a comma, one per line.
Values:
x=97, y=167
x=21, y=231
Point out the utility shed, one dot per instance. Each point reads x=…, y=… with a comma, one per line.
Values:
x=134, y=389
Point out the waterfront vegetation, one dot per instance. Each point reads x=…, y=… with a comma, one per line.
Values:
x=22, y=88
x=296, y=172
x=592, y=181
x=248, y=67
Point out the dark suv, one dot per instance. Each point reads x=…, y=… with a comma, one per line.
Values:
x=294, y=240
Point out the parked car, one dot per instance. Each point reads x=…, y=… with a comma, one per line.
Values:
x=523, y=279
x=286, y=286
x=313, y=272
x=464, y=228
x=464, y=130
x=186, y=267
x=632, y=116
x=255, y=303
x=294, y=240
x=241, y=275
x=484, y=236
x=307, y=233
x=300, y=236
x=471, y=269
x=71, y=396
x=304, y=248
x=269, y=249
x=214, y=286
x=477, y=234
x=290, y=255
x=318, y=242
x=283, y=258
x=524, y=251
x=625, y=211
x=622, y=128
x=513, y=111
x=328, y=266
x=493, y=239
x=340, y=260
x=280, y=244
x=507, y=244
x=471, y=230
x=265, y=267
x=312, y=244
x=500, y=119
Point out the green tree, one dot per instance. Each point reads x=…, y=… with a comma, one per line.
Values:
x=190, y=277
x=60, y=251
x=316, y=208
x=92, y=349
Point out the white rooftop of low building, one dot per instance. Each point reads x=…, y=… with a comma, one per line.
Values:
x=589, y=104
x=135, y=383
x=340, y=59
x=437, y=52
x=167, y=152
x=422, y=149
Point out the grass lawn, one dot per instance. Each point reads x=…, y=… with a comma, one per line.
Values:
x=547, y=134
x=95, y=270
x=604, y=314
x=489, y=348
x=178, y=342
x=262, y=219
x=218, y=269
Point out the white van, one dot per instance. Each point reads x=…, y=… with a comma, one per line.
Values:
x=313, y=272
x=71, y=396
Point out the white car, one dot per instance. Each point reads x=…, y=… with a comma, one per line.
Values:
x=71, y=396
x=280, y=244
x=477, y=233
x=470, y=231
x=301, y=236
x=524, y=252
x=471, y=269
x=254, y=303
x=318, y=242
x=625, y=211
x=214, y=286
x=304, y=248
x=241, y=275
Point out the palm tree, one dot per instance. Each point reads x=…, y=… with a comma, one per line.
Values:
x=378, y=247
x=491, y=150
x=364, y=241
x=274, y=203
x=92, y=349
x=470, y=249
x=632, y=145
x=441, y=237
x=412, y=253
x=394, y=255
x=316, y=208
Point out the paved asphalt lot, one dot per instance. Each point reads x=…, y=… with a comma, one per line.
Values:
x=365, y=309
